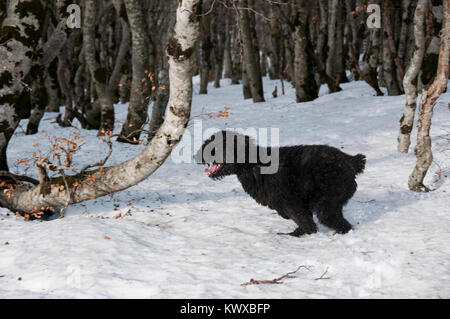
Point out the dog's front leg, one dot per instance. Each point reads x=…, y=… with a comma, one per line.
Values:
x=304, y=220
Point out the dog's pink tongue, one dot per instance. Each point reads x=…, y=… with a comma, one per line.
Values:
x=212, y=170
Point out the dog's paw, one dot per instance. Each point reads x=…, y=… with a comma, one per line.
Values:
x=296, y=233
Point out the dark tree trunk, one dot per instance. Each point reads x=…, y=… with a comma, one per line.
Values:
x=218, y=35
x=334, y=67
x=141, y=83
x=206, y=49
x=98, y=73
x=39, y=100
x=251, y=64
x=227, y=59
x=305, y=84
x=391, y=62
x=163, y=92
x=236, y=64
x=275, y=35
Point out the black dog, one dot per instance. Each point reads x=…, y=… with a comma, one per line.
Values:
x=310, y=178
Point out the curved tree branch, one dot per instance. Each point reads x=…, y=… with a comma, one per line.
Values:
x=101, y=182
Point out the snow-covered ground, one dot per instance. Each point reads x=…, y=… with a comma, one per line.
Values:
x=191, y=237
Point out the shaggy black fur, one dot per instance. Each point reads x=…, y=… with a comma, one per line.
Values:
x=310, y=178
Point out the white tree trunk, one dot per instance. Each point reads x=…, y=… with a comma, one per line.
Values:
x=407, y=120
x=119, y=177
x=429, y=97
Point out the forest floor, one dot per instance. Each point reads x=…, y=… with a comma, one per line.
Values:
x=191, y=237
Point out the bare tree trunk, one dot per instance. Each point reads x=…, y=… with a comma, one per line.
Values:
x=98, y=73
x=51, y=86
x=246, y=90
x=15, y=64
x=432, y=46
x=206, y=47
x=407, y=120
x=123, y=49
x=305, y=84
x=334, y=68
x=275, y=35
x=263, y=64
x=341, y=76
x=332, y=46
x=321, y=47
x=372, y=58
x=352, y=24
x=39, y=99
x=63, y=80
x=227, y=59
x=423, y=147
x=124, y=88
x=251, y=65
x=141, y=82
x=257, y=50
x=163, y=92
x=406, y=18
x=122, y=176
x=218, y=36
x=389, y=55
x=389, y=12
x=236, y=65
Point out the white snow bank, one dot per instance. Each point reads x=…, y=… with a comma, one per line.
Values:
x=191, y=237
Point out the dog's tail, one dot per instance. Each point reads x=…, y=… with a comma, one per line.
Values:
x=359, y=163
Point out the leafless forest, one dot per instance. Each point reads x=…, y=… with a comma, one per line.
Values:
x=88, y=55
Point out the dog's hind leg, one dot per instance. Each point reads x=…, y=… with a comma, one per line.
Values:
x=304, y=221
x=330, y=214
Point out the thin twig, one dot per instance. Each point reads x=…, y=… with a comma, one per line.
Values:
x=276, y=280
x=104, y=160
x=322, y=277
x=19, y=177
x=209, y=11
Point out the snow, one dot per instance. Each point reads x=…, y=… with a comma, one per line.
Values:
x=191, y=237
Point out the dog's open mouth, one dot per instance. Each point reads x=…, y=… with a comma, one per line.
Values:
x=213, y=169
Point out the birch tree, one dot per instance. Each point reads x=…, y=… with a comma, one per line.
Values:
x=20, y=34
x=115, y=178
x=407, y=120
x=429, y=97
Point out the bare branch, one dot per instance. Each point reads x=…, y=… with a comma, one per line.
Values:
x=19, y=177
x=276, y=280
x=103, y=161
x=322, y=277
